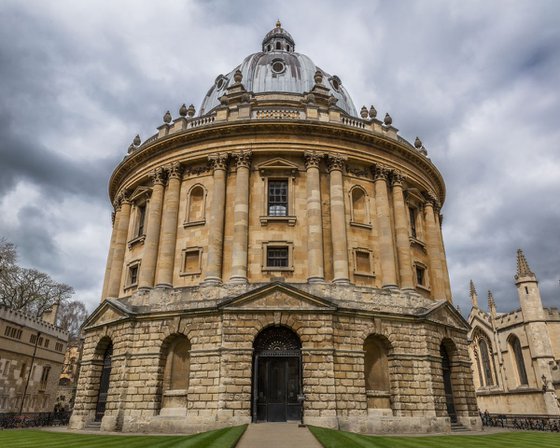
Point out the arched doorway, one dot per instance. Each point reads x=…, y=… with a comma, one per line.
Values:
x=104, y=383
x=447, y=383
x=277, y=375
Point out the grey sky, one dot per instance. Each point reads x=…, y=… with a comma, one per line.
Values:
x=477, y=81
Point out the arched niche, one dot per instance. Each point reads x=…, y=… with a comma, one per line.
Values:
x=175, y=375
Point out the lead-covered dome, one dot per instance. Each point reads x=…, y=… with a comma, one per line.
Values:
x=278, y=69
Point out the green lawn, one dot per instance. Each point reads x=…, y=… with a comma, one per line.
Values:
x=33, y=438
x=330, y=438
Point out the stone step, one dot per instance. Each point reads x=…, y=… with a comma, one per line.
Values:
x=93, y=426
x=458, y=427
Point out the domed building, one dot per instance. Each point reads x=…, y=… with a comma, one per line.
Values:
x=276, y=257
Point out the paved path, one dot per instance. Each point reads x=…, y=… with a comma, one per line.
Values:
x=277, y=435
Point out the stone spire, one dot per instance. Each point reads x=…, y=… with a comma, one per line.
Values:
x=491, y=304
x=474, y=295
x=523, y=269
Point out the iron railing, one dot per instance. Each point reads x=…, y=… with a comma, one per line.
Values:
x=519, y=421
x=33, y=419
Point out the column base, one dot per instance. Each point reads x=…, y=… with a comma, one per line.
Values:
x=238, y=280
x=164, y=285
x=211, y=281
x=341, y=281
x=390, y=286
x=316, y=280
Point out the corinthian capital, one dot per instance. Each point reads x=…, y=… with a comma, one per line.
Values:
x=380, y=172
x=243, y=159
x=218, y=161
x=157, y=176
x=336, y=162
x=121, y=198
x=397, y=178
x=174, y=170
x=312, y=159
x=431, y=199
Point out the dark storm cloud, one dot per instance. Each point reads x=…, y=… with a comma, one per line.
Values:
x=477, y=81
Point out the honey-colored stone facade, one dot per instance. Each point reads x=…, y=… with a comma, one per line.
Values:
x=276, y=210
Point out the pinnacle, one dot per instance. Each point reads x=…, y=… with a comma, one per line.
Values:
x=523, y=269
x=491, y=302
x=474, y=295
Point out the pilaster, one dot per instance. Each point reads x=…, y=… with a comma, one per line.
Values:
x=338, y=222
x=315, y=260
x=122, y=219
x=402, y=237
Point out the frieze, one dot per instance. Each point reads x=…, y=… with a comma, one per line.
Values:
x=197, y=170
x=358, y=172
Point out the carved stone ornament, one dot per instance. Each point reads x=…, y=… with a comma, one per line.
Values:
x=121, y=198
x=432, y=200
x=312, y=159
x=417, y=143
x=388, y=120
x=358, y=172
x=174, y=170
x=137, y=140
x=197, y=170
x=183, y=110
x=397, y=178
x=364, y=112
x=372, y=112
x=157, y=176
x=332, y=100
x=191, y=111
x=318, y=78
x=238, y=76
x=336, y=162
x=218, y=161
x=167, y=117
x=380, y=172
x=243, y=159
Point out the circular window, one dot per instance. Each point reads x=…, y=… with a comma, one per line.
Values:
x=278, y=66
x=221, y=82
x=335, y=82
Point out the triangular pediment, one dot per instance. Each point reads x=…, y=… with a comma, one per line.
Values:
x=278, y=296
x=481, y=320
x=277, y=165
x=140, y=192
x=444, y=313
x=106, y=313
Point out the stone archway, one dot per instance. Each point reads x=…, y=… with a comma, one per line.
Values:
x=277, y=375
x=104, y=383
x=444, y=350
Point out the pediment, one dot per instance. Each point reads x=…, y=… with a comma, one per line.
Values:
x=140, y=192
x=444, y=313
x=106, y=313
x=479, y=321
x=278, y=165
x=277, y=296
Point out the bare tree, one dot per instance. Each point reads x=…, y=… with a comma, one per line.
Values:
x=7, y=253
x=71, y=316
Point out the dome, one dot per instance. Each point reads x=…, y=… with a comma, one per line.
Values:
x=278, y=69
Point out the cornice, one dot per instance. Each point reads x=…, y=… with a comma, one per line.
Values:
x=253, y=128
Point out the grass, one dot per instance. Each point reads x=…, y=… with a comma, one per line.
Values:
x=32, y=438
x=331, y=438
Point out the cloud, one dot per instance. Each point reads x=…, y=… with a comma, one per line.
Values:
x=477, y=81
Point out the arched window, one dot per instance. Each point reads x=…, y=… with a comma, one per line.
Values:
x=517, y=353
x=196, y=205
x=359, y=206
x=376, y=372
x=486, y=363
x=175, y=358
x=278, y=46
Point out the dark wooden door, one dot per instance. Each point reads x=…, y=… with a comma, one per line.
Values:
x=278, y=384
x=104, y=385
x=447, y=386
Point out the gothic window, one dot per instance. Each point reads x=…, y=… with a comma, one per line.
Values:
x=196, y=206
x=359, y=209
x=278, y=197
x=376, y=373
x=517, y=353
x=486, y=363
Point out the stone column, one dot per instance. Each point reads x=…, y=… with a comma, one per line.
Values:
x=216, y=225
x=445, y=271
x=110, y=256
x=338, y=221
x=241, y=218
x=402, y=236
x=432, y=245
x=168, y=239
x=386, y=244
x=315, y=260
x=149, y=258
x=121, y=224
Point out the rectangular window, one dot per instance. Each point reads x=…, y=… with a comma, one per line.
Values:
x=277, y=257
x=40, y=341
x=47, y=342
x=140, y=220
x=133, y=275
x=22, y=371
x=13, y=332
x=363, y=263
x=33, y=338
x=420, y=276
x=412, y=212
x=45, y=376
x=278, y=198
x=58, y=346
